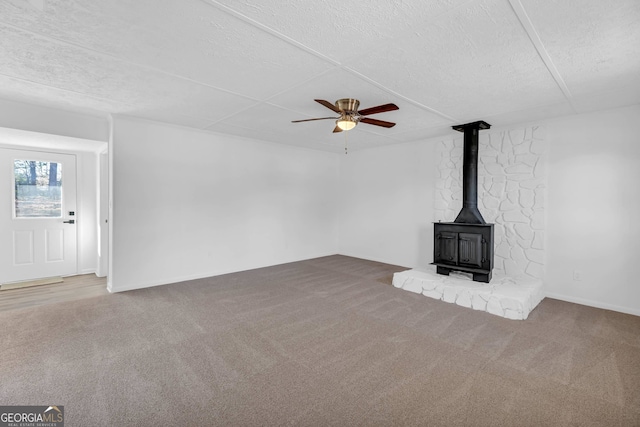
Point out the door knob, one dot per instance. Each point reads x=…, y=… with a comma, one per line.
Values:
x=71, y=221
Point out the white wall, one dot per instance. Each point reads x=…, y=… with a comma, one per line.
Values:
x=594, y=200
x=87, y=211
x=386, y=203
x=593, y=195
x=102, y=196
x=190, y=204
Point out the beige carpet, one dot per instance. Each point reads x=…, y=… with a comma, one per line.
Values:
x=316, y=343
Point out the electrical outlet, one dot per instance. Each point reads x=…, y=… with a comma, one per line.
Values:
x=577, y=275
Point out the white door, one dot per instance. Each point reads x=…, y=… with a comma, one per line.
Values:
x=37, y=215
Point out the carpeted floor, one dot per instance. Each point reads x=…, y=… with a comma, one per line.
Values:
x=314, y=343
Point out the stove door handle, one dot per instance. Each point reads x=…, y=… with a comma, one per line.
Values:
x=484, y=250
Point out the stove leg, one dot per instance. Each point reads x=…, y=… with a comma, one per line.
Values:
x=479, y=277
x=443, y=270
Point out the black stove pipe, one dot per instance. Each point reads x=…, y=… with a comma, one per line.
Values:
x=469, y=214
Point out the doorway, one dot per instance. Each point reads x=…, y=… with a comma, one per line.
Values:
x=38, y=235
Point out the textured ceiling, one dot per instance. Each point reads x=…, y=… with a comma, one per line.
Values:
x=246, y=68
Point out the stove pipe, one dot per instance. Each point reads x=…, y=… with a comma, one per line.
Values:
x=469, y=214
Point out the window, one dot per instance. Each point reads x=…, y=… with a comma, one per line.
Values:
x=37, y=189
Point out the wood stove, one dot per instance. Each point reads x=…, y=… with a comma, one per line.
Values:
x=467, y=243
x=464, y=247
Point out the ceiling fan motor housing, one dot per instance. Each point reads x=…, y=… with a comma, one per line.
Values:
x=348, y=104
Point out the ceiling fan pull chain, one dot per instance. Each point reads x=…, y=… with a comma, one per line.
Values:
x=345, y=143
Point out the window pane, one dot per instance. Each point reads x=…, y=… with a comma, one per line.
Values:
x=38, y=189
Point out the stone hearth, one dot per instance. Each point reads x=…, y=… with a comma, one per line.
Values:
x=509, y=297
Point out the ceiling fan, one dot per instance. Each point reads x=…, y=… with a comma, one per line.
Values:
x=350, y=116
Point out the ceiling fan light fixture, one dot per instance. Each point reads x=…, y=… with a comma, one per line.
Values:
x=346, y=123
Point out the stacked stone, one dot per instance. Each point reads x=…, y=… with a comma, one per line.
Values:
x=511, y=194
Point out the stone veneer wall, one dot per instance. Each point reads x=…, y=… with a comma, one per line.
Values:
x=511, y=194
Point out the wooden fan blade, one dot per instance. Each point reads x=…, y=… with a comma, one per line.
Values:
x=377, y=122
x=310, y=120
x=337, y=129
x=328, y=105
x=378, y=109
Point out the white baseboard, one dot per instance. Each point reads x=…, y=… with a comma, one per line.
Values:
x=176, y=279
x=596, y=304
x=201, y=275
x=374, y=259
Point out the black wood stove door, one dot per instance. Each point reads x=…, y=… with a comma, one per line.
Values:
x=447, y=247
x=470, y=250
